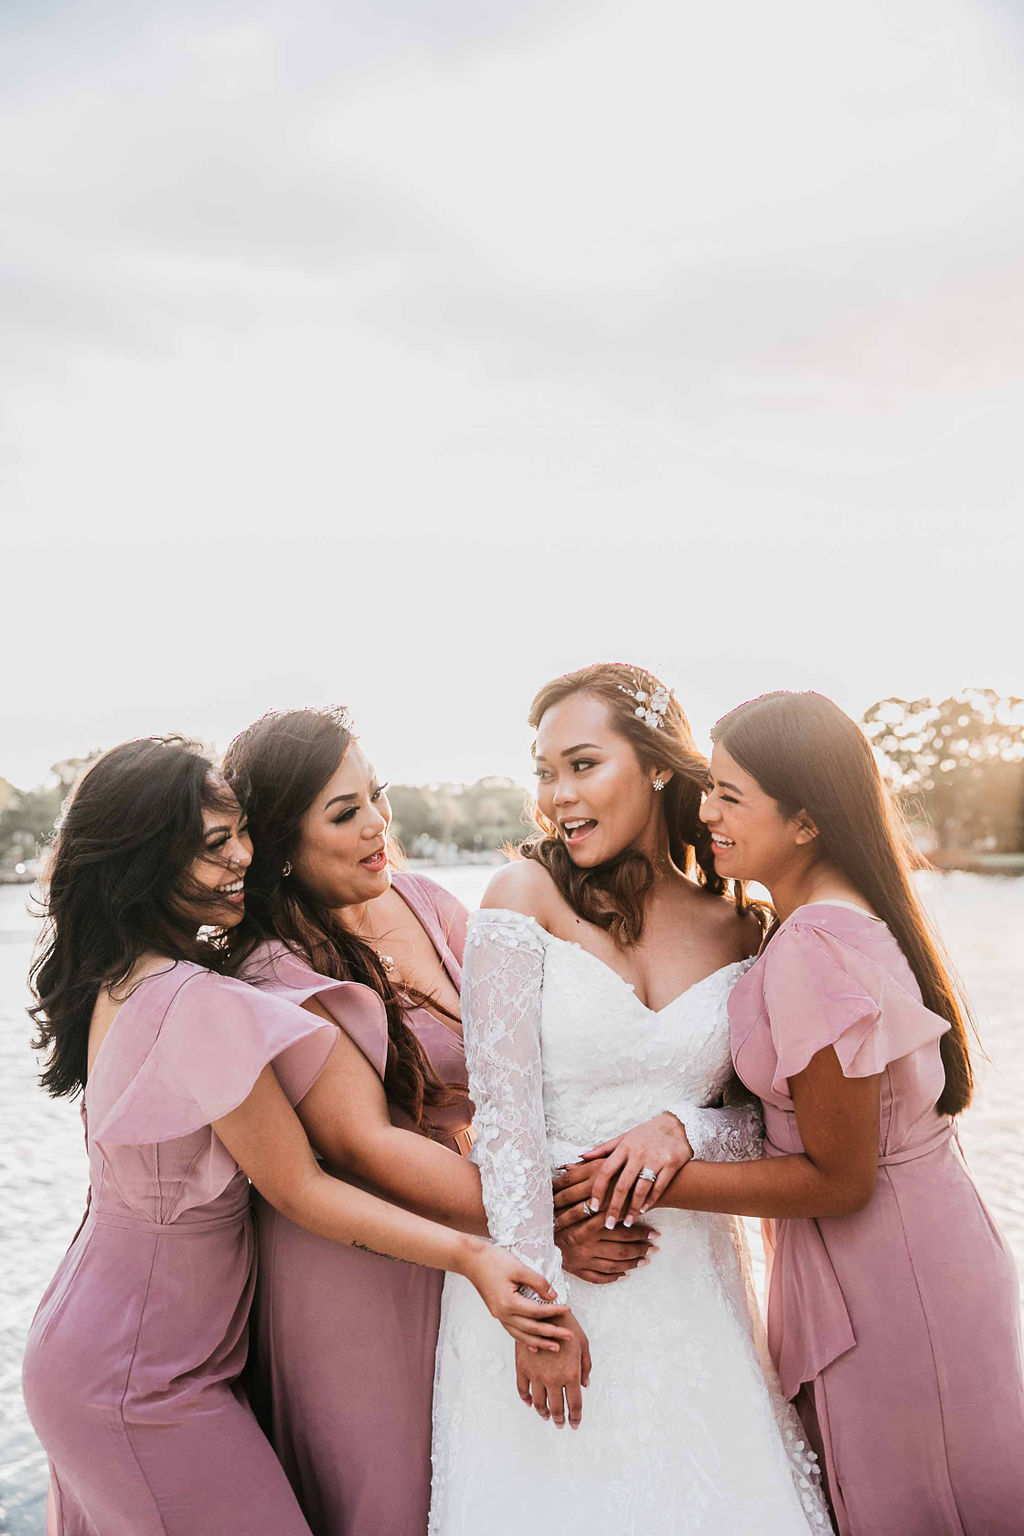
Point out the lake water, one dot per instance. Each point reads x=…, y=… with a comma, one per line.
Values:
x=43, y=1168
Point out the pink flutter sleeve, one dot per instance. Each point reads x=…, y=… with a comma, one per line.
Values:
x=820, y=991
x=203, y=1054
x=276, y=971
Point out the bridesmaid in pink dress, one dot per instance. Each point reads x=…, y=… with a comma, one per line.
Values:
x=893, y=1303
x=343, y=1366
x=133, y=1358
x=893, y=1308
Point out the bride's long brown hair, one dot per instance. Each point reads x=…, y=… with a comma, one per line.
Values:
x=612, y=895
x=809, y=756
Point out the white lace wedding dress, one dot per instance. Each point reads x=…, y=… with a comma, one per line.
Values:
x=684, y=1427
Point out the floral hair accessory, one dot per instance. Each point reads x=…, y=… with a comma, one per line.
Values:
x=651, y=703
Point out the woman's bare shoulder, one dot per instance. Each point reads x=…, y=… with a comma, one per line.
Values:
x=740, y=932
x=524, y=886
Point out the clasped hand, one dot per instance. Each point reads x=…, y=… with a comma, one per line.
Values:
x=608, y=1177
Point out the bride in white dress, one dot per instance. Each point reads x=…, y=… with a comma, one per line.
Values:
x=594, y=997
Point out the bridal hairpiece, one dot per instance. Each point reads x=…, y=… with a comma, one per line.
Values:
x=651, y=702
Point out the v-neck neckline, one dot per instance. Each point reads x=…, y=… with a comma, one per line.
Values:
x=406, y=888
x=630, y=986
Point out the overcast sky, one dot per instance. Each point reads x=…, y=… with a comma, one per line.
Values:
x=406, y=354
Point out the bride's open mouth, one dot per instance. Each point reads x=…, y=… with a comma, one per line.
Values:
x=576, y=830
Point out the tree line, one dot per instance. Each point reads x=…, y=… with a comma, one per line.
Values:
x=464, y=818
x=956, y=766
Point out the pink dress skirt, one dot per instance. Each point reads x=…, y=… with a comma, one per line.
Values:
x=135, y=1352
x=896, y=1329
x=343, y=1362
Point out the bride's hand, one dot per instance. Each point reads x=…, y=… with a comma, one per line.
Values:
x=575, y=1222
x=500, y=1279
x=553, y=1384
x=660, y=1145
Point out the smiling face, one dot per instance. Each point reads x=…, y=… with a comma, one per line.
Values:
x=592, y=785
x=342, y=853
x=216, y=878
x=752, y=836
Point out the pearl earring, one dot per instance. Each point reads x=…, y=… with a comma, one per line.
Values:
x=287, y=869
x=658, y=785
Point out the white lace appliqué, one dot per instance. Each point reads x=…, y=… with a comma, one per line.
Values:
x=501, y=1006
x=731, y=1135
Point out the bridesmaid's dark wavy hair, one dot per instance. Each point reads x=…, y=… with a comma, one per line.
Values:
x=613, y=894
x=809, y=756
x=277, y=767
x=117, y=880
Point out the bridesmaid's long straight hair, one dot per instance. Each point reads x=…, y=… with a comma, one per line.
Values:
x=278, y=766
x=809, y=756
x=117, y=879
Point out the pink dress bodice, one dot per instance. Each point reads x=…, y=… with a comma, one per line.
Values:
x=833, y=976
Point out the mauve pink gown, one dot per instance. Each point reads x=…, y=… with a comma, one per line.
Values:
x=137, y=1345
x=896, y=1329
x=342, y=1371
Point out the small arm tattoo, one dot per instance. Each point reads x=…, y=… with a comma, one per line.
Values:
x=365, y=1248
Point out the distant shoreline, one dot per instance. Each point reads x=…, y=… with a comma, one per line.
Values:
x=978, y=863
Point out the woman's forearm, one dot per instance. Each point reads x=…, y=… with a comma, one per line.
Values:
x=424, y=1176
x=837, y=1118
x=771, y=1186
x=336, y=1210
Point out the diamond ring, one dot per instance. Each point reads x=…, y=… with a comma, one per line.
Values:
x=647, y=1173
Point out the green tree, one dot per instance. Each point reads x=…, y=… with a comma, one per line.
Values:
x=958, y=763
x=415, y=814
x=492, y=813
x=472, y=817
x=29, y=817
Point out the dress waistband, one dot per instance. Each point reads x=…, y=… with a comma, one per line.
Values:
x=923, y=1149
x=464, y=1137
x=934, y=1143
x=129, y=1223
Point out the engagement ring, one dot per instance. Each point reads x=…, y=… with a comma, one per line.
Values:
x=647, y=1173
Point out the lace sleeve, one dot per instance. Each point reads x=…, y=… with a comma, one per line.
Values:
x=501, y=1009
x=733, y=1135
